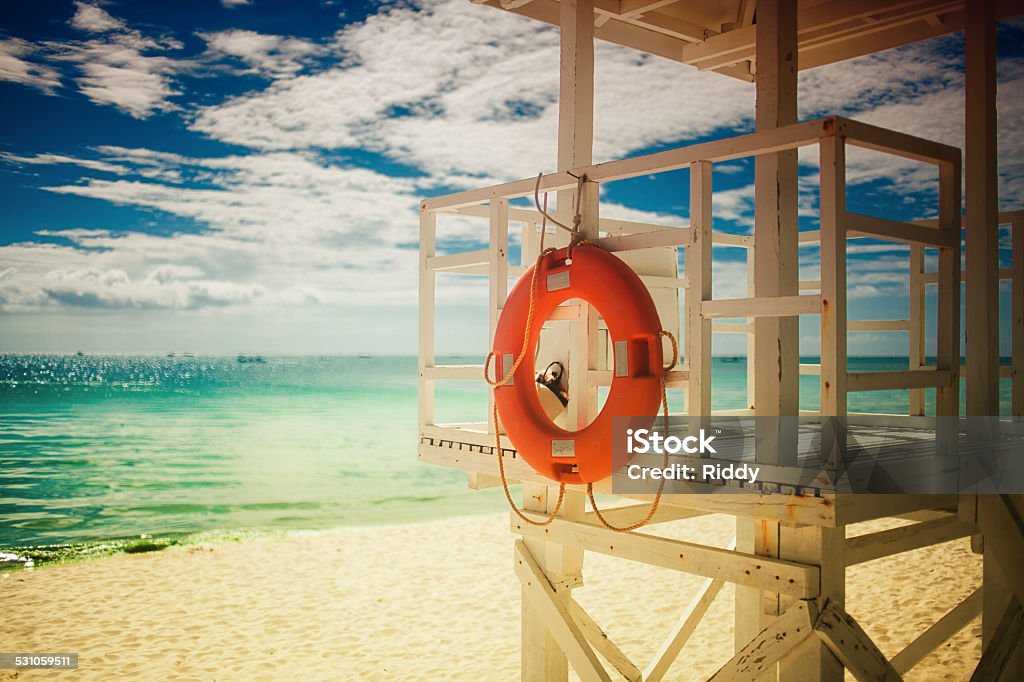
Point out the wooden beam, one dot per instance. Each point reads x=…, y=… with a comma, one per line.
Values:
x=763, y=306
x=887, y=141
x=646, y=240
x=458, y=261
x=1000, y=521
x=741, y=43
x=556, y=616
x=861, y=225
x=669, y=650
x=871, y=546
x=453, y=373
x=897, y=380
x=852, y=646
x=787, y=577
x=878, y=325
x=751, y=144
x=955, y=620
x=770, y=645
x=1003, y=646
x=604, y=646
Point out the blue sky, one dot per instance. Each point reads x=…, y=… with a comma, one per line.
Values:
x=244, y=176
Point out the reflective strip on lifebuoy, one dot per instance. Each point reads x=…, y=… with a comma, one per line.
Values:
x=611, y=286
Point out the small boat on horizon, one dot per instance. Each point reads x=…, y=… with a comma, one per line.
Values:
x=250, y=359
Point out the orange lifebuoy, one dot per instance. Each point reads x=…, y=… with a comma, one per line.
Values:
x=611, y=286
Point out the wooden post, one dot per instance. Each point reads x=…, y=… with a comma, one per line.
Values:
x=428, y=239
x=497, y=291
x=947, y=325
x=1017, y=292
x=776, y=273
x=982, y=199
x=775, y=211
x=751, y=346
x=915, y=350
x=982, y=253
x=542, y=657
x=698, y=272
x=833, y=276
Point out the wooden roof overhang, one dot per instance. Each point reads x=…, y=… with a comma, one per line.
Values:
x=719, y=35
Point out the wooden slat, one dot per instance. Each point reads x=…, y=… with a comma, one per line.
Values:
x=861, y=225
x=726, y=239
x=878, y=325
x=871, y=546
x=786, y=577
x=888, y=141
x=889, y=381
x=646, y=240
x=767, y=306
x=669, y=650
x=454, y=373
x=954, y=620
x=458, y=261
x=556, y=616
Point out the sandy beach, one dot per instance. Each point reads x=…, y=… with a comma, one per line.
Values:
x=424, y=601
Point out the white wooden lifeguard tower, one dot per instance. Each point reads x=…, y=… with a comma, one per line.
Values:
x=791, y=550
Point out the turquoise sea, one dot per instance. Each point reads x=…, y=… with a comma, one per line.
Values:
x=100, y=447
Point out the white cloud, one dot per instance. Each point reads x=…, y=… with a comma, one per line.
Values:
x=119, y=65
x=269, y=55
x=53, y=159
x=231, y=4
x=91, y=18
x=283, y=229
x=16, y=68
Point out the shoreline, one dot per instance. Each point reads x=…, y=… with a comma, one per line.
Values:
x=419, y=600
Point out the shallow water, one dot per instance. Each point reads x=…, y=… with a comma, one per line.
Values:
x=100, y=447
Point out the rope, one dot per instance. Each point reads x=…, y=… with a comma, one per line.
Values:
x=576, y=219
x=508, y=376
x=661, y=486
